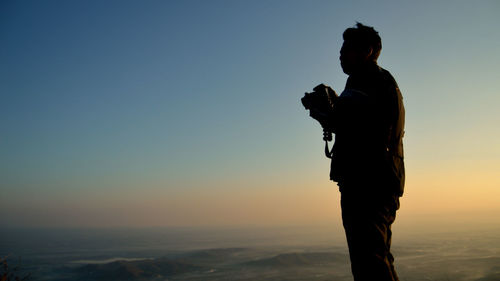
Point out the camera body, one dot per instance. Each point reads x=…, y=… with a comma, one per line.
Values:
x=321, y=99
x=320, y=104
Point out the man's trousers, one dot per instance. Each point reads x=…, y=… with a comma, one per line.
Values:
x=367, y=219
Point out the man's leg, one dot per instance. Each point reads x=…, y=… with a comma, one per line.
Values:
x=367, y=222
x=390, y=256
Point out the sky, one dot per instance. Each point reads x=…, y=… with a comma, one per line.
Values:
x=188, y=113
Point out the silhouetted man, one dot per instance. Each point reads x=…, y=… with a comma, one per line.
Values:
x=367, y=157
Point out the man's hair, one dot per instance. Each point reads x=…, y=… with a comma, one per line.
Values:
x=364, y=37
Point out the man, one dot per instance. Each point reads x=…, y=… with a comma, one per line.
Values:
x=367, y=157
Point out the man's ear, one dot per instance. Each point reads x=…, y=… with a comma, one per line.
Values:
x=368, y=53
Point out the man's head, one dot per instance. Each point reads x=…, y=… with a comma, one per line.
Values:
x=362, y=45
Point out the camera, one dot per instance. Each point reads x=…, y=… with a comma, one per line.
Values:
x=320, y=105
x=321, y=99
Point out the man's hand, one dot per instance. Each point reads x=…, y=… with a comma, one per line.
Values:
x=327, y=89
x=320, y=104
x=319, y=116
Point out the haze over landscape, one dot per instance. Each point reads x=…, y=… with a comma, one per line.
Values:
x=164, y=115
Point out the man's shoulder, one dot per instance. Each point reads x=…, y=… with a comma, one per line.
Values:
x=387, y=77
x=386, y=74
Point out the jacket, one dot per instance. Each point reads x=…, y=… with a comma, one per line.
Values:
x=368, y=122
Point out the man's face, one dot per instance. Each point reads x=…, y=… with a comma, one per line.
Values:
x=353, y=57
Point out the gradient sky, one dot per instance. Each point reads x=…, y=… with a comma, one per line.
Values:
x=178, y=113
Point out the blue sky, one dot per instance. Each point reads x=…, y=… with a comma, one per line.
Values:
x=181, y=99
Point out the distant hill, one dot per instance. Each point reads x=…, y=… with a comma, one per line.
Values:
x=216, y=252
x=212, y=256
x=300, y=259
x=135, y=270
x=198, y=263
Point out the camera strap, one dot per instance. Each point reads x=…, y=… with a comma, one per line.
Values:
x=328, y=153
